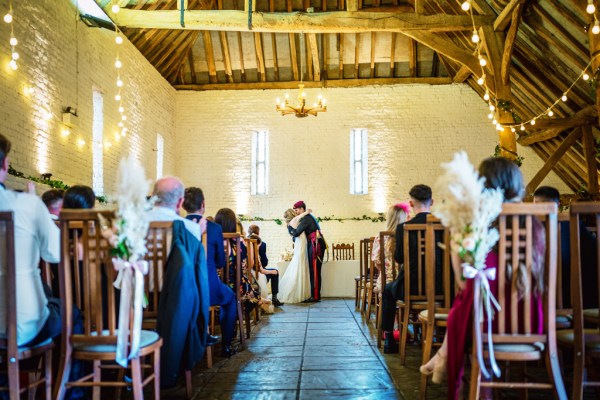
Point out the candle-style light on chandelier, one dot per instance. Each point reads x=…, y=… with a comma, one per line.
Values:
x=300, y=110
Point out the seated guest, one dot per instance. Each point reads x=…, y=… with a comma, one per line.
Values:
x=396, y=215
x=36, y=235
x=220, y=294
x=271, y=274
x=499, y=173
x=420, y=202
x=248, y=288
x=53, y=199
x=79, y=197
x=169, y=193
x=587, y=248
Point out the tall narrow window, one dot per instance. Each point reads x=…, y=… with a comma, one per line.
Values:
x=160, y=153
x=97, y=139
x=359, y=172
x=260, y=162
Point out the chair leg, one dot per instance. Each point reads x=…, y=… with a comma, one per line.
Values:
x=364, y=298
x=14, y=387
x=370, y=301
x=378, y=320
x=136, y=377
x=157, y=374
x=209, y=357
x=120, y=378
x=553, y=367
x=48, y=368
x=247, y=321
x=96, y=379
x=188, y=384
x=475, y=379
x=62, y=378
x=427, y=346
x=241, y=324
x=404, y=335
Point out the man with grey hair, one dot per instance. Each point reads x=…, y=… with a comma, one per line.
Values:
x=169, y=193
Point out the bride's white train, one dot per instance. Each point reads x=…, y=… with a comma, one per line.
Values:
x=294, y=284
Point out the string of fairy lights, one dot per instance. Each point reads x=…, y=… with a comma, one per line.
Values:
x=9, y=18
x=493, y=103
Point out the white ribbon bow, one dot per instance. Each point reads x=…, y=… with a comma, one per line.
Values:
x=131, y=275
x=487, y=299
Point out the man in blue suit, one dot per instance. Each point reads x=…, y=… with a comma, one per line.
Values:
x=220, y=294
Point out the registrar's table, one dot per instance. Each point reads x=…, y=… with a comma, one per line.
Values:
x=338, y=277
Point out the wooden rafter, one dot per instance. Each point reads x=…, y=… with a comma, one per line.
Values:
x=260, y=56
x=509, y=43
x=356, y=54
x=275, y=62
x=226, y=56
x=550, y=128
x=435, y=64
x=192, y=67
x=210, y=58
x=462, y=75
x=505, y=17
x=332, y=22
x=294, y=58
x=352, y=5
x=324, y=69
x=373, y=41
x=412, y=57
x=589, y=148
x=393, y=56
x=341, y=54
x=332, y=83
x=241, y=55
x=553, y=159
x=314, y=53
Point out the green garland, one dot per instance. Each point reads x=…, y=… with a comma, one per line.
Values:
x=498, y=153
x=53, y=183
x=379, y=218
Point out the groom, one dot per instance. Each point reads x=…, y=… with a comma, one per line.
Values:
x=308, y=225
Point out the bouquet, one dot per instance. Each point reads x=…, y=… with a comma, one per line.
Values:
x=127, y=237
x=468, y=209
x=286, y=255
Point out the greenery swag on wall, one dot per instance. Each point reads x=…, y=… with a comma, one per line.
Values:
x=379, y=218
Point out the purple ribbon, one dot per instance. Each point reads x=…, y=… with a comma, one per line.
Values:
x=483, y=297
x=131, y=282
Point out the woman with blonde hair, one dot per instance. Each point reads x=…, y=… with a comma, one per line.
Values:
x=397, y=214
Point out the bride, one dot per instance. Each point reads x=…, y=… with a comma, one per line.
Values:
x=294, y=285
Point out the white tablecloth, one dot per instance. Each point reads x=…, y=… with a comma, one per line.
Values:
x=337, y=276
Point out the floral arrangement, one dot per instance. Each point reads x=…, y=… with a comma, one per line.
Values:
x=468, y=209
x=286, y=255
x=127, y=237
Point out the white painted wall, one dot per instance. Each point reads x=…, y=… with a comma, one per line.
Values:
x=412, y=129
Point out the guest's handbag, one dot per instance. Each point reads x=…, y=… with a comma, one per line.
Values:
x=323, y=246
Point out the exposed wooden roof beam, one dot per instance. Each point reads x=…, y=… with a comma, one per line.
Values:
x=462, y=74
x=372, y=54
x=334, y=83
x=210, y=58
x=260, y=56
x=332, y=22
x=241, y=57
x=589, y=148
x=509, y=44
x=585, y=116
x=393, y=55
x=412, y=57
x=341, y=54
x=275, y=62
x=226, y=56
x=294, y=58
x=352, y=5
x=314, y=52
x=356, y=54
x=506, y=15
x=192, y=67
x=553, y=159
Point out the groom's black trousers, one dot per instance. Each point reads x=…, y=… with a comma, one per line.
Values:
x=315, y=271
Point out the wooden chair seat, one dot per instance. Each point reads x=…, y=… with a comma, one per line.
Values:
x=592, y=338
x=564, y=321
x=148, y=341
x=518, y=351
x=591, y=315
x=424, y=315
x=26, y=352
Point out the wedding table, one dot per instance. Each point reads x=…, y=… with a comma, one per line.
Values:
x=337, y=276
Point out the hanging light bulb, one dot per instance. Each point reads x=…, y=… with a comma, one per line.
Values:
x=118, y=97
x=119, y=39
x=121, y=109
x=591, y=8
x=15, y=55
x=482, y=61
x=564, y=97
x=475, y=37
x=596, y=27
x=119, y=82
x=466, y=5
x=492, y=108
x=490, y=115
x=115, y=8
x=124, y=117
x=585, y=77
x=512, y=129
x=120, y=124
x=8, y=18
x=533, y=121
x=13, y=65
x=486, y=96
x=550, y=113
x=522, y=127
x=494, y=122
x=13, y=41
x=481, y=80
x=118, y=64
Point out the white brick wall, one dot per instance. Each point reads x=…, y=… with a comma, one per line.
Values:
x=64, y=61
x=412, y=129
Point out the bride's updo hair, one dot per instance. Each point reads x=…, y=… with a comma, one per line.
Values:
x=289, y=215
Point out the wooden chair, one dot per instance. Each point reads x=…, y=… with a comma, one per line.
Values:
x=238, y=278
x=564, y=315
x=415, y=299
x=368, y=268
x=343, y=251
x=360, y=279
x=10, y=353
x=383, y=237
x=521, y=343
x=81, y=240
x=370, y=297
x=252, y=268
x=434, y=319
x=584, y=338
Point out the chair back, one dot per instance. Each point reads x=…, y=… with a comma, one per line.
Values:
x=414, y=232
x=563, y=219
x=237, y=244
x=437, y=301
x=364, y=256
x=343, y=251
x=516, y=247
x=85, y=260
x=7, y=250
x=385, y=236
x=158, y=243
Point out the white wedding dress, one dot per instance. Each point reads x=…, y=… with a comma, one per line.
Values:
x=294, y=284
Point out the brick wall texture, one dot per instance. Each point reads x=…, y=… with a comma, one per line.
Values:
x=412, y=129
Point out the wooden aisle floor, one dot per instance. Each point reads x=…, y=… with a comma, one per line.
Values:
x=318, y=351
